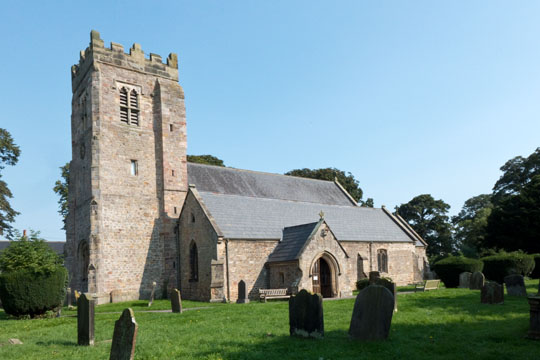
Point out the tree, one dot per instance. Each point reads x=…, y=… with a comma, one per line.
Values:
x=471, y=224
x=205, y=159
x=517, y=173
x=514, y=223
x=428, y=217
x=346, y=180
x=61, y=189
x=9, y=155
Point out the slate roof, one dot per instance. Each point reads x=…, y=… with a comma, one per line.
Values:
x=292, y=242
x=57, y=246
x=231, y=181
x=244, y=217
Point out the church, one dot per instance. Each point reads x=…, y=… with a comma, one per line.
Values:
x=140, y=215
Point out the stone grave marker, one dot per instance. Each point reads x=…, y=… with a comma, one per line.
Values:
x=67, y=301
x=534, y=318
x=477, y=280
x=391, y=286
x=152, y=294
x=306, y=315
x=85, y=320
x=176, y=301
x=373, y=277
x=372, y=314
x=492, y=293
x=465, y=280
x=242, y=293
x=515, y=285
x=124, y=337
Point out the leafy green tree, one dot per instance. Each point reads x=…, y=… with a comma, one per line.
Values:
x=61, y=189
x=517, y=173
x=514, y=223
x=205, y=159
x=29, y=253
x=428, y=217
x=9, y=155
x=470, y=225
x=346, y=180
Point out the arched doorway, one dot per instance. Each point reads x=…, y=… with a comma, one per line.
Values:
x=322, y=278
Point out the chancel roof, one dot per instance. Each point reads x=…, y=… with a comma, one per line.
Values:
x=245, y=217
x=231, y=181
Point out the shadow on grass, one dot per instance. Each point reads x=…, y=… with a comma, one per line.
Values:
x=57, y=342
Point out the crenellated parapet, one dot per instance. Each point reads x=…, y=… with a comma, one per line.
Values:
x=96, y=52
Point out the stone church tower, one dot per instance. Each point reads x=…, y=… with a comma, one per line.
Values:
x=128, y=173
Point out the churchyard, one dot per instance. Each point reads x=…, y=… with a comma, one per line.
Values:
x=440, y=324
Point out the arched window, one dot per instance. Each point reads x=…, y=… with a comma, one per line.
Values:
x=382, y=260
x=129, y=106
x=193, y=262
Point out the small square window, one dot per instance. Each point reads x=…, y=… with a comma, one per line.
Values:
x=134, y=168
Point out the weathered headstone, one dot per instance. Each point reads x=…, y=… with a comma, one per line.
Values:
x=85, y=320
x=534, y=319
x=306, y=315
x=152, y=294
x=492, y=293
x=176, y=301
x=465, y=280
x=242, y=293
x=374, y=276
x=372, y=314
x=515, y=285
x=391, y=286
x=124, y=337
x=477, y=280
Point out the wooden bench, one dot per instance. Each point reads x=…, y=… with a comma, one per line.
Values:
x=428, y=285
x=265, y=294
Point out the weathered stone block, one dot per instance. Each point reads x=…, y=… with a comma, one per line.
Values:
x=477, y=280
x=85, y=320
x=372, y=314
x=492, y=293
x=515, y=285
x=124, y=337
x=465, y=280
x=176, y=301
x=306, y=315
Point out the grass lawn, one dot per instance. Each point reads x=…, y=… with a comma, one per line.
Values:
x=442, y=324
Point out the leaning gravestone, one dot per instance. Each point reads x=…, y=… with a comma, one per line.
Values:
x=477, y=280
x=124, y=337
x=306, y=315
x=372, y=314
x=515, y=285
x=152, y=294
x=85, y=320
x=373, y=277
x=465, y=280
x=176, y=301
x=492, y=293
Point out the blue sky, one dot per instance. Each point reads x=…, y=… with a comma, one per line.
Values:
x=411, y=97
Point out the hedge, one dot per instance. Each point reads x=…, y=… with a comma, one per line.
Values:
x=27, y=293
x=536, y=271
x=496, y=267
x=448, y=269
x=363, y=283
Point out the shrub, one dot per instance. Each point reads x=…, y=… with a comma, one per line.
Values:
x=27, y=293
x=496, y=267
x=535, y=274
x=449, y=269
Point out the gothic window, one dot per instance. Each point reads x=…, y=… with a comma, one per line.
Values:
x=382, y=260
x=129, y=106
x=193, y=262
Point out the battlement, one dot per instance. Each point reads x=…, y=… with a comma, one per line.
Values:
x=115, y=55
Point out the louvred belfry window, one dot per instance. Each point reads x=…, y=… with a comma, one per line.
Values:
x=129, y=106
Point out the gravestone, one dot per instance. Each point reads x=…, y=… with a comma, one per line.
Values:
x=391, y=286
x=465, y=280
x=176, y=301
x=374, y=276
x=306, y=315
x=492, y=293
x=515, y=285
x=152, y=294
x=67, y=302
x=477, y=280
x=372, y=314
x=534, y=318
x=124, y=337
x=85, y=320
x=242, y=293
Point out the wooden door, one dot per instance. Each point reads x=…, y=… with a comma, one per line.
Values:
x=326, y=278
x=316, y=277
